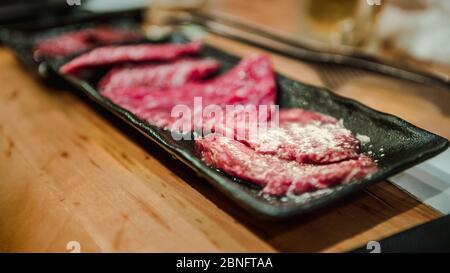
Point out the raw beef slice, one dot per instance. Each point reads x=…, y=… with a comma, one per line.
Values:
x=251, y=82
x=76, y=41
x=300, y=135
x=314, y=143
x=277, y=176
x=272, y=116
x=108, y=55
x=160, y=76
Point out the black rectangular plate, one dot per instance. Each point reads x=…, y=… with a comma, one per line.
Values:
x=395, y=144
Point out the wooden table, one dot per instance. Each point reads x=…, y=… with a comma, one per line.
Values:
x=71, y=172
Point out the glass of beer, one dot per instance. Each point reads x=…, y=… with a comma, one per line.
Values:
x=338, y=22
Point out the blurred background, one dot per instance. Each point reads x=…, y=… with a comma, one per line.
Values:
x=409, y=30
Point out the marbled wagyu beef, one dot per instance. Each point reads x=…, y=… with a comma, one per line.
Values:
x=251, y=82
x=80, y=40
x=275, y=175
x=305, y=151
x=160, y=76
x=308, y=151
x=109, y=55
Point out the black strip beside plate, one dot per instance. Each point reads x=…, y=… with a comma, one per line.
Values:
x=394, y=143
x=431, y=237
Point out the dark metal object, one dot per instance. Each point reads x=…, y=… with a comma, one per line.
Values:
x=291, y=47
x=335, y=76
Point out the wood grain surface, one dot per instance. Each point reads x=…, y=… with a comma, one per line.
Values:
x=72, y=172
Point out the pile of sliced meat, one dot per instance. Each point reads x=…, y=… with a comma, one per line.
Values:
x=300, y=151
x=79, y=40
x=109, y=55
x=307, y=154
x=161, y=76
